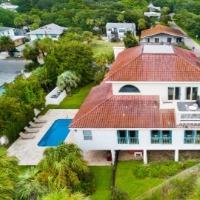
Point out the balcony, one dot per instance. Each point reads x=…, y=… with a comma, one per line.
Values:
x=161, y=140
x=192, y=140
x=130, y=140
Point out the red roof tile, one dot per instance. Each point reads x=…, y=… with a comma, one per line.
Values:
x=158, y=29
x=122, y=111
x=134, y=65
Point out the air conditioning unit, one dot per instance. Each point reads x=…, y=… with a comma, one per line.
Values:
x=138, y=154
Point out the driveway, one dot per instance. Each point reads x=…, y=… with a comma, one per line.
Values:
x=9, y=69
x=189, y=42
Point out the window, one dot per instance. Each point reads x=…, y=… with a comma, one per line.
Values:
x=54, y=36
x=127, y=137
x=192, y=137
x=148, y=40
x=173, y=93
x=169, y=40
x=161, y=137
x=156, y=40
x=191, y=93
x=87, y=135
x=121, y=30
x=129, y=88
x=179, y=40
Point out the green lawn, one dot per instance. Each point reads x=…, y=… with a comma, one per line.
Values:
x=101, y=46
x=103, y=182
x=128, y=183
x=73, y=101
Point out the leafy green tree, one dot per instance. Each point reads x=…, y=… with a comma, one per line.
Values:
x=67, y=81
x=31, y=53
x=142, y=24
x=64, y=195
x=28, y=187
x=8, y=175
x=87, y=37
x=130, y=40
x=7, y=17
x=12, y=117
x=6, y=44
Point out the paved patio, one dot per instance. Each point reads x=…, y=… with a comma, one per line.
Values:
x=27, y=151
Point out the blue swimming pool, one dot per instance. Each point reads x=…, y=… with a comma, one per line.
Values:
x=57, y=133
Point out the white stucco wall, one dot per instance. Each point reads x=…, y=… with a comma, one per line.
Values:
x=35, y=37
x=106, y=139
x=155, y=88
x=162, y=38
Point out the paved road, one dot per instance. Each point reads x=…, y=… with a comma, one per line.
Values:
x=9, y=69
x=189, y=41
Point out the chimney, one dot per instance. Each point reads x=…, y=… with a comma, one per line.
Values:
x=117, y=50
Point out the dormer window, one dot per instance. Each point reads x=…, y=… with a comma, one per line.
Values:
x=129, y=89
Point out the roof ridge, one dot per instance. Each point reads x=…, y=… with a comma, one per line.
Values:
x=95, y=107
x=125, y=64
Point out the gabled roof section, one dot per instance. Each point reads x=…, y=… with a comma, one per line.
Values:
x=159, y=29
x=119, y=111
x=48, y=29
x=134, y=65
x=110, y=25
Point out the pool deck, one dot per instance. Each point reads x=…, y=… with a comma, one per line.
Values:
x=27, y=151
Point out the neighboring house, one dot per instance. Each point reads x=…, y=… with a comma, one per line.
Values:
x=15, y=34
x=160, y=34
x=153, y=11
x=145, y=106
x=9, y=6
x=118, y=30
x=52, y=31
x=7, y=31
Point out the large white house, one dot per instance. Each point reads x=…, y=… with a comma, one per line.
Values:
x=9, y=6
x=118, y=30
x=146, y=105
x=161, y=34
x=153, y=11
x=52, y=31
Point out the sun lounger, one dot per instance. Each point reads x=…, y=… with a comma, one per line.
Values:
x=26, y=135
x=38, y=120
x=35, y=125
x=31, y=130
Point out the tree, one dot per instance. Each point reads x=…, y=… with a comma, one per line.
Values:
x=6, y=44
x=67, y=81
x=130, y=40
x=64, y=195
x=28, y=187
x=63, y=167
x=30, y=52
x=142, y=24
x=8, y=175
x=87, y=36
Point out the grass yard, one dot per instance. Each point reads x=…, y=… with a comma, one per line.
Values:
x=102, y=46
x=103, y=182
x=74, y=101
x=126, y=181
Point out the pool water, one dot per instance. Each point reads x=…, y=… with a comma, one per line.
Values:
x=56, y=134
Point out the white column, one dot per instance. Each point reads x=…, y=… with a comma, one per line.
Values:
x=113, y=153
x=145, y=159
x=176, y=155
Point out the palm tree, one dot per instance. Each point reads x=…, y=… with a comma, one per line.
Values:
x=63, y=195
x=8, y=175
x=62, y=167
x=28, y=187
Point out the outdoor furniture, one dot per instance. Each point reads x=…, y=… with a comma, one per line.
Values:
x=26, y=135
x=31, y=130
x=35, y=125
x=37, y=120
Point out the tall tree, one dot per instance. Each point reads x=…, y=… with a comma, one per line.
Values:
x=6, y=44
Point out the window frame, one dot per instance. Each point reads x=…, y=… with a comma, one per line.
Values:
x=135, y=89
x=87, y=135
x=174, y=95
x=189, y=93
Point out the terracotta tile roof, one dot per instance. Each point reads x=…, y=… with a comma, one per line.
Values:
x=158, y=29
x=122, y=111
x=134, y=65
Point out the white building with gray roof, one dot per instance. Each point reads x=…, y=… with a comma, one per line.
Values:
x=118, y=30
x=52, y=31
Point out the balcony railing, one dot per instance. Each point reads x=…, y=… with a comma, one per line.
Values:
x=133, y=140
x=192, y=140
x=130, y=140
x=161, y=140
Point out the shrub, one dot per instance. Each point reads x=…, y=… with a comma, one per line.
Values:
x=130, y=40
x=119, y=195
